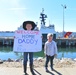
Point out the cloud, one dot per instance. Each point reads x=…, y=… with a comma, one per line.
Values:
x=10, y=3
x=18, y=11
x=17, y=8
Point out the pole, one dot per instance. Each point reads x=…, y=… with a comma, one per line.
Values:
x=64, y=7
x=63, y=19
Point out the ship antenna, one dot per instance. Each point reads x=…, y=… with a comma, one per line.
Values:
x=43, y=17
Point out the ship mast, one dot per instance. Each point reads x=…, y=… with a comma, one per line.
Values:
x=43, y=17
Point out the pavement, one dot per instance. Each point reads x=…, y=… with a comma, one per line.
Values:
x=38, y=71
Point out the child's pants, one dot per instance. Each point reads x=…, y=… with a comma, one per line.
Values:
x=49, y=58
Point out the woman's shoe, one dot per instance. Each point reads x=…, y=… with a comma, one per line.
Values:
x=25, y=74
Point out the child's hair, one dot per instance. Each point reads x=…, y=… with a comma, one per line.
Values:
x=49, y=34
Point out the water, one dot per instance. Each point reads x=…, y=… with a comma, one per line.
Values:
x=7, y=52
x=69, y=52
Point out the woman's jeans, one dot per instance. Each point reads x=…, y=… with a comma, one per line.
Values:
x=49, y=58
x=26, y=58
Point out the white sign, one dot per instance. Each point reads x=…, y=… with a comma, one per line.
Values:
x=27, y=41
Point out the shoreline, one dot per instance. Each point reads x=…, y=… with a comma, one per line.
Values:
x=64, y=66
x=39, y=62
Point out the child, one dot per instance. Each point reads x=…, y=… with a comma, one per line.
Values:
x=28, y=25
x=50, y=50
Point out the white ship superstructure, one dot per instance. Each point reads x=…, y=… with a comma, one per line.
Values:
x=46, y=29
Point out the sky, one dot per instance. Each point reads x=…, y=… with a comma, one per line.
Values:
x=14, y=12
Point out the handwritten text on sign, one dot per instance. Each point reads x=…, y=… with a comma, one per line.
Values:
x=27, y=41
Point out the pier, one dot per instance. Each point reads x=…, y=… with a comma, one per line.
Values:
x=65, y=42
x=6, y=41
x=62, y=42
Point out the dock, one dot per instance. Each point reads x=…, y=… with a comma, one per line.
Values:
x=62, y=42
x=65, y=42
x=6, y=41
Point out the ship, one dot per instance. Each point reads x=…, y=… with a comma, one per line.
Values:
x=45, y=29
x=7, y=37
